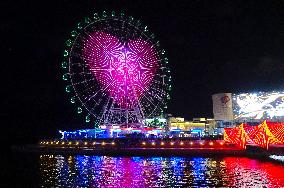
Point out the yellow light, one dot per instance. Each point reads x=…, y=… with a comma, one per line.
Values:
x=51, y=142
x=70, y=143
x=211, y=143
x=172, y=143
x=62, y=143
x=43, y=142
x=103, y=143
x=94, y=143
x=181, y=143
x=143, y=143
x=162, y=143
x=57, y=142
x=85, y=143
x=153, y=143
x=77, y=143
x=47, y=142
x=113, y=143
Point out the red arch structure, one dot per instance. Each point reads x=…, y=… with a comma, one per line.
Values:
x=262, y=135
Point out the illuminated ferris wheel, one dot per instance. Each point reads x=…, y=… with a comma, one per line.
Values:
x=116, y=71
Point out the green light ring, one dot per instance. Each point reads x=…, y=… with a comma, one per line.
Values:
x=135, y=23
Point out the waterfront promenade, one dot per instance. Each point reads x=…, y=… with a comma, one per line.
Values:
x=149, y=147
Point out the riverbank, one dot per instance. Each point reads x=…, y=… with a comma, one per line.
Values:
x=204, y=148
x=132, y=151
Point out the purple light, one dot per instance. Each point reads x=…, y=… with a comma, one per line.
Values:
x=124, y=70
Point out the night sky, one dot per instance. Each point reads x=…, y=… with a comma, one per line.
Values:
x=212, y=46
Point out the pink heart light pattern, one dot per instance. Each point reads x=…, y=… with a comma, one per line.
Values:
x=124, y=70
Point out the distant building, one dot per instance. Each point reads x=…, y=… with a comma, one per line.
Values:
x=197, y=127
x=231, y=109
x=222, y=106
x=249, y=107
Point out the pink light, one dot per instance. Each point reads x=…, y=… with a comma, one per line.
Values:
x=124, y=70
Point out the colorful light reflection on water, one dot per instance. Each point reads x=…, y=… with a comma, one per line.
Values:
x=102, y=171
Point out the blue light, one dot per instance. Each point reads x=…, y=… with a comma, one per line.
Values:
x=117, y=130
x=83, y=133
x=199, y=169
x=136, y=131
x=196, y=131
x=137, y=159
x=176, y=130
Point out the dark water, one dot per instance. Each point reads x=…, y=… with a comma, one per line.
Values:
x=103, y=171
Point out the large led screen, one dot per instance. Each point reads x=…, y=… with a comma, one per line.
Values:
x=259, y=105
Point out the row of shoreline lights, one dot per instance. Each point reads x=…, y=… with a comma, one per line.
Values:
x=113, y=143
x=180, y=143
x=74, y=143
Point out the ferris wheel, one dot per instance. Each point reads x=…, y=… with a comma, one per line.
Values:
x=115, y=70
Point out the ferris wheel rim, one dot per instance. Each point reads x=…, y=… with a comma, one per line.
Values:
x=72, y=81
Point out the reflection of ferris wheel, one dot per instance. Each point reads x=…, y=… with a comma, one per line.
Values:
x=117, y=71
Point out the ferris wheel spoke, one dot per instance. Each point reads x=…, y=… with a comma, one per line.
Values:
x=149, y=99
x=94, y=109
x=159, y=90
x=101, y=90
x=152, y=98
x=89, y=88
x=84, y=81
x=80, y=73
x=77, y=55
x=155, y=109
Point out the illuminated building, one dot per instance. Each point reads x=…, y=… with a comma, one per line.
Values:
x=115, y=131
x=155, y=122
x=258, y=106
x=230, y=109
x=197, y=127
x=245, y=107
